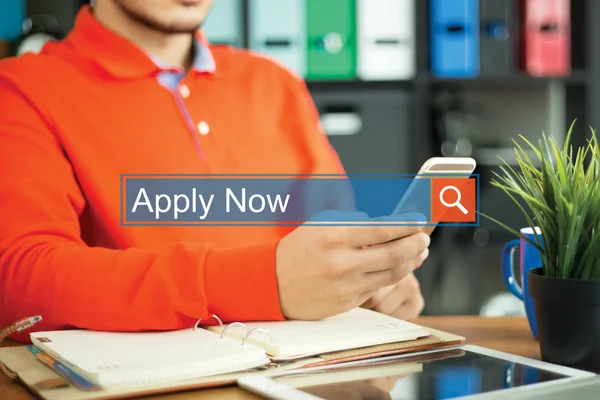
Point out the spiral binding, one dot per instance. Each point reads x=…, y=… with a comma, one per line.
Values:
x=16, y=327
x=249, y=331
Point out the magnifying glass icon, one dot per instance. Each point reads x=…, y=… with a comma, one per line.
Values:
x=456, y=203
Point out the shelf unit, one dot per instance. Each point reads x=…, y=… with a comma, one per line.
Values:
x=548, y=104
x=575, y=97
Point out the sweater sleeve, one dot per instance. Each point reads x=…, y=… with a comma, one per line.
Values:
x=320, y=156
x=47, y=269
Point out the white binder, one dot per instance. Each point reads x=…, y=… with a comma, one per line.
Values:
x=277, y=28
x=386, y=39
x=224, y=23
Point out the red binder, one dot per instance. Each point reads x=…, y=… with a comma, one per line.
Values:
x=546, y=37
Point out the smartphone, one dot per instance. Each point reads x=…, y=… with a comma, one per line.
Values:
x=460, y=167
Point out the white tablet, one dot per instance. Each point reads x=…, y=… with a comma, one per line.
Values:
x=462, y=372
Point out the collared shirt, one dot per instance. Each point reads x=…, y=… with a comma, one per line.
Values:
x=172, y=76
x=93, y=107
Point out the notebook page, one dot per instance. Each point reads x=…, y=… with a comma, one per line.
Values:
x=356, y=328
x=129, y=359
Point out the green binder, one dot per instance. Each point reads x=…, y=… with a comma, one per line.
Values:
x=331, y=35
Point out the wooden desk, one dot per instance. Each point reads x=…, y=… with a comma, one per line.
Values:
x=4, y=49
x=510, y=334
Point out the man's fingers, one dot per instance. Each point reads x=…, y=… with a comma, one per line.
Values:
x=365, y=297
x=410, y=308
x=378, y=297
x=403, y=301
x=392, y=302
x=424, y=255
x=391, y=255
x=387, y=277
x=387, y=299
x=361, y=236
x=374, y=280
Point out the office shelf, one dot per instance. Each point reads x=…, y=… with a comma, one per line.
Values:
x=577, y=77
x=360, y=84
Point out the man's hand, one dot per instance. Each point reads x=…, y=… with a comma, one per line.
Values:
x=402, y=300
x=326, y=270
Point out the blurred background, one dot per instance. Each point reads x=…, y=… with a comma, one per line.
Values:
x=399, y=81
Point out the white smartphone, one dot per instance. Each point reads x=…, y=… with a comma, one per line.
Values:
x=460, y=167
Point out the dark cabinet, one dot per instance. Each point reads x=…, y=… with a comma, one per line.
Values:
x=370, y=129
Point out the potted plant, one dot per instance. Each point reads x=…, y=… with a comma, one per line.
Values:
x=562, y=192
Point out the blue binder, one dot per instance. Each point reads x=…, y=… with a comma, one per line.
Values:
x=12, y=15
x=454, y=29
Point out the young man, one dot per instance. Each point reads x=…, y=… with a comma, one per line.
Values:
x=136, y=89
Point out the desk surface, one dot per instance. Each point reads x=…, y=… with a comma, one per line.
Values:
x=510, y=334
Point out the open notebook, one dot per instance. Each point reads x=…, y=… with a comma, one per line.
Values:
x=293, y=339
x=112, y=359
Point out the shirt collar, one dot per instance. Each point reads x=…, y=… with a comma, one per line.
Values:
x=203, y=59
x=124, y=59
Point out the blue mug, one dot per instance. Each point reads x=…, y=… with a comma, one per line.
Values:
x=530, y=258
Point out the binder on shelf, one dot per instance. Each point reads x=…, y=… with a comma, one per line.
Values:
x=331, y=31
x=454, y=28
x=546, y=37
x=499, y=36
x=224, y=25
x=278, y=29
x=386, y=39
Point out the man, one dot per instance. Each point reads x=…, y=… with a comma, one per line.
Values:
x=136, y=89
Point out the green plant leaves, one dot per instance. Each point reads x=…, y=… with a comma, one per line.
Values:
x=562, y=193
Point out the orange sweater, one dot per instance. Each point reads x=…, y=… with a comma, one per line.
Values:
x=91, y=108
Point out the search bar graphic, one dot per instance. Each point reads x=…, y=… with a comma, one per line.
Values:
x=454, y=200
x=455, y=203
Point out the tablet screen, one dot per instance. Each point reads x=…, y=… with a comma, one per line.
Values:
x=445, y=375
